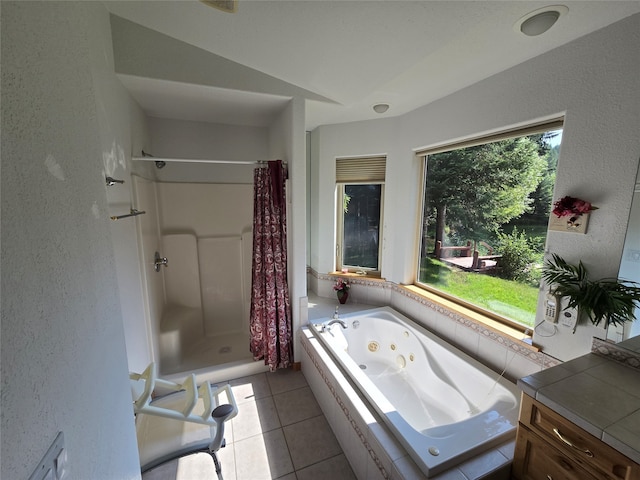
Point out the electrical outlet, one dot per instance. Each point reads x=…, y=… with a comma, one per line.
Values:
x=53, y=465
x=569, y=318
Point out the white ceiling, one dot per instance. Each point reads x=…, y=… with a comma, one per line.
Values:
x=355, y=53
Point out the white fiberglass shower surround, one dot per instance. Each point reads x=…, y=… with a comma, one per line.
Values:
x=198, y=303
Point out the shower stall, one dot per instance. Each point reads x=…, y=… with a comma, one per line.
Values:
x=196, y=246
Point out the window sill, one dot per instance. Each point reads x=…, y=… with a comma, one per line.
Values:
x=368, y=276
x=476, y=317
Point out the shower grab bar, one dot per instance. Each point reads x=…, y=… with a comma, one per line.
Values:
x=133, y=213
x=112, y=181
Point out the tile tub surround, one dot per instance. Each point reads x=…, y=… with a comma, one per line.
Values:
x=494, y=348
x=626, y=353
x=598, y=394
x=373, y=452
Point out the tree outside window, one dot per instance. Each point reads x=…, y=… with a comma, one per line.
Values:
x=491, y=201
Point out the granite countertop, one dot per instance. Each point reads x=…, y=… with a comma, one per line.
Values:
x=597, y=392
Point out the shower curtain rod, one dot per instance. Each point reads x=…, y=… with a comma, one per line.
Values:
x=197, y=160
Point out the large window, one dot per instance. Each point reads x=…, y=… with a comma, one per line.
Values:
x=360, y=195
x=484, y=221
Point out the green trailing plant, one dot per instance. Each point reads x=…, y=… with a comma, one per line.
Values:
x=609, y=299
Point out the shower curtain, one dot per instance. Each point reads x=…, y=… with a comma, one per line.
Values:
x=270, y=318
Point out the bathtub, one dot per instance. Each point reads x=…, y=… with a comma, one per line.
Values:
x=443, y=406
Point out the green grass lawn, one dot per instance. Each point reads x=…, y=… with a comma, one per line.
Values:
x=508, y=298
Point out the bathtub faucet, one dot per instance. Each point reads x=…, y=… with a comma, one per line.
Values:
x=327, y=326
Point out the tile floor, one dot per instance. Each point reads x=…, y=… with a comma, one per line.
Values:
x=279, y=432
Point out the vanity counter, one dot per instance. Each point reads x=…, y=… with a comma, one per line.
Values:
x=598, y=394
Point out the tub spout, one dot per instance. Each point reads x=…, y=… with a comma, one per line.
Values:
x=327, y=326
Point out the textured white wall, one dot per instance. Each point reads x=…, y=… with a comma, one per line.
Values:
x=594, y=80
x=64, y=364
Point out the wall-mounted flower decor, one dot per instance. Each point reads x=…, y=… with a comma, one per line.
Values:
x=571, y=215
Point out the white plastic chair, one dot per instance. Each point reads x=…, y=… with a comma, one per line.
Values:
x=188, y=420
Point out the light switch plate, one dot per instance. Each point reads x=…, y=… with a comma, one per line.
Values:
x=53, y=465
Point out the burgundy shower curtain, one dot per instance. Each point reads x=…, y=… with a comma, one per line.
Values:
x=271, y=337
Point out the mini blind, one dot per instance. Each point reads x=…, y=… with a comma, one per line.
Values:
x=472, y=142
x=361, y=170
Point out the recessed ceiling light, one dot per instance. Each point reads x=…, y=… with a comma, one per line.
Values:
x=381, y=107
x=539, y=21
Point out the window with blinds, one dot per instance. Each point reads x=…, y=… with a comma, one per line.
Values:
x=359, y=199
x=361, y=170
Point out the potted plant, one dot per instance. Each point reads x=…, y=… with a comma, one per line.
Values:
x=609, y=299
x=342, y=290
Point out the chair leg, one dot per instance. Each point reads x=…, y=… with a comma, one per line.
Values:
x=217, y=464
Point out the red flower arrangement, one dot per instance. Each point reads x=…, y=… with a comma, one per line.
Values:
x=341, y=285
x=571, y=207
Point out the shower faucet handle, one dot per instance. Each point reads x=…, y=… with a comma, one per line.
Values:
x=158, y=261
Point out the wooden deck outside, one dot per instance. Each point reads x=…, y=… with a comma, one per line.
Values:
x=466, y=263
x=469, y=259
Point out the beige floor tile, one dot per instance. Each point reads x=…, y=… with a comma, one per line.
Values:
x=311, y=441
x=255, y=418
x=290, y=476
x=248, y=389
x=258, y=447
x=334, y=468
x=284, y=380
x=296, y=405
x=262, y=457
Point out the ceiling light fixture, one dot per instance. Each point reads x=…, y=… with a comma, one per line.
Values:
x=539, y=21
x=380, y=107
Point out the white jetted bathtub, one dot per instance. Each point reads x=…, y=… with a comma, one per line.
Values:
x=442, y=405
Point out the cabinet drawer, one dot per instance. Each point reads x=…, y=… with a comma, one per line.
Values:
x=535, y=459
x=585, y=449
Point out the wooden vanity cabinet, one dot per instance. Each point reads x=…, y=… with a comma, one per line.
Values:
x=549, y=447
